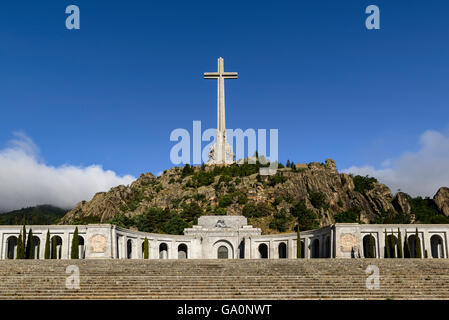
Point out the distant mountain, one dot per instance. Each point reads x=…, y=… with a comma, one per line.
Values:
x=43, y=214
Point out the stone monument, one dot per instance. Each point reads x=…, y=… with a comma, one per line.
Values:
x=221, y=153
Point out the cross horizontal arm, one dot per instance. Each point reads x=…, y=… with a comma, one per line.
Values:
x=215, y=75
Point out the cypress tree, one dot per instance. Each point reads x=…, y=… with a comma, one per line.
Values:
x=74, y=252
x=387, y=245
x=47, y=246
x=19, y=254
x=418, y=253
x=298, y=243
x=392, y=246
x=371, y=246
x=400, y=253
x=146, y=251
x=29, y=251
x=24, y=242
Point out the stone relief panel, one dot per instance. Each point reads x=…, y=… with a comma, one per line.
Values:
x=98, y=243
x=347, y=242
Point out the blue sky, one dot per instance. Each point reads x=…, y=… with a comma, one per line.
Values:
x=110, y=93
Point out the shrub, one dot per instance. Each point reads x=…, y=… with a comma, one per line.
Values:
x=318, y=199
x=350, y=216
x=307, y=219
x=363, y=184
x=275, y=179
x=280, y=221
x=220, y=211
x=175, y=225
x=242, y=198
x=187, y=171
x=225, y=201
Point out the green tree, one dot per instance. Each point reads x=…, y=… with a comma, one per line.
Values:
x=417, y=242
x=298, y=243
x=307, y=218
x=24, y=242
x=280, y=220
x=175, y=225
x=74, y=252
x=29, y=250
x=146, y=248
x=47, y=246
x=392, y=245
x=400, y=253
x=20, y=253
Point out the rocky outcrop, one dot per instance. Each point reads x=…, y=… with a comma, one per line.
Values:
x=336, y=192
x=441, y=200
x=401, y=203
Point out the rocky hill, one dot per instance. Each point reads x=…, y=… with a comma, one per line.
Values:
x=315, y=192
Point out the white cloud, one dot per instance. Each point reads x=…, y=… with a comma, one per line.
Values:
x=419, y=173
x=25, y=180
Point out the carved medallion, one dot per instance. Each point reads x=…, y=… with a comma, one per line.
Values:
x=98, y=243
x=347, y=242
x=221, y=224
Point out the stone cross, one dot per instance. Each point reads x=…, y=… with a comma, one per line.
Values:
x=221, y=153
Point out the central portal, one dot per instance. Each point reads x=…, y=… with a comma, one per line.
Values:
x=222, y=253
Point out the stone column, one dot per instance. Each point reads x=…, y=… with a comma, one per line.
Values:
x=290, y=249
x=272, y=250
x=381, y=246
x=172, y=250
x=66, y=246
x=3, y=245
x=306, y=248
x=114, y=242
x=426, y=244
x=247, y=247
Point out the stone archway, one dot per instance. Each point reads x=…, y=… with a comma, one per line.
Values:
x=282, y=250
x=437, y=248
x=182, y=251
x=263, y=251
x=223, y=249
x=11, y=247
x=316, y=248
x=36, y=247
x=369, y=246
x=56, y=247
x=163, y=251
x=81, y=248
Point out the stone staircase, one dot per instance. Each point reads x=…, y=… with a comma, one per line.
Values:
x=225, y=279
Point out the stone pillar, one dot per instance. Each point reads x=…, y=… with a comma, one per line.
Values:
x=426, y=244
x=172, y=250
x=114, y=243
x=381, y=246
x=2, y=246
x=290, y=249
x=248, y=248
x=154, y=252
x=306, y=248
x=66, y=246
x=331, y=244
x=272, y=250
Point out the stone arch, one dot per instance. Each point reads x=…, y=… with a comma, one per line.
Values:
x=316, y=248
x=282, y=251
x=437, y=247
x=81, y=247
x=367, y=253
x=11, y=247
x=263, y=251
x=218, y=248
x=182, y=251
x=56, y=247
x=410, y=250
x=129, y=249
x=163, y=251
x=303, y=248
x=36, y=246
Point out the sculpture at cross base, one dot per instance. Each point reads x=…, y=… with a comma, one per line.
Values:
x=220, y=153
